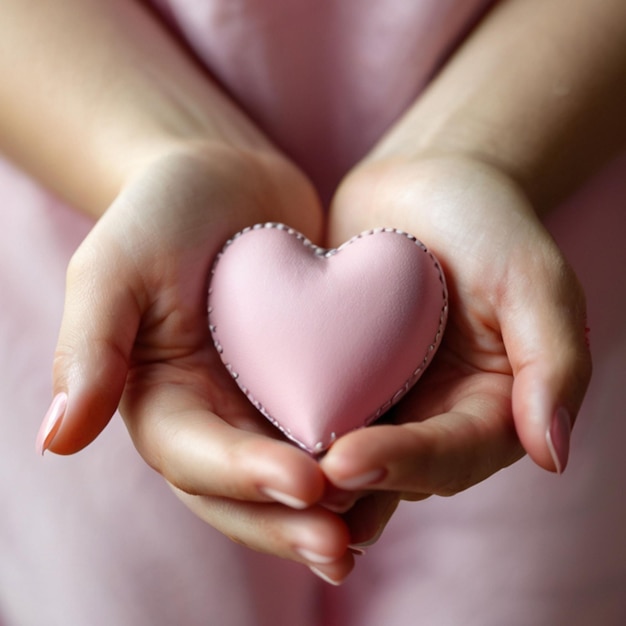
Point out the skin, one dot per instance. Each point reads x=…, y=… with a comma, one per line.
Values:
x=511, y=124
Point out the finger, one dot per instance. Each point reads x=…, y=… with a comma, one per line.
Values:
x=174, y=427
x=368, y=518
x=543, y=328
x=314, y=537
x=100, y=320
x=338, y=500
x=442, y=455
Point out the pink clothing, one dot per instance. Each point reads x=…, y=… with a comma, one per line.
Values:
x=98, y=539
x=323, y=79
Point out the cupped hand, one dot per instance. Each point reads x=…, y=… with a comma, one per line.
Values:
x=513, y=367
x=134, y=334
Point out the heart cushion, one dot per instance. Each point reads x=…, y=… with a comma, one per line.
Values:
x=325, y=341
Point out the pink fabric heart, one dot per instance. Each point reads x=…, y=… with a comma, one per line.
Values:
x=325, y=341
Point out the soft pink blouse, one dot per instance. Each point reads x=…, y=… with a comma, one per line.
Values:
x=98, y=539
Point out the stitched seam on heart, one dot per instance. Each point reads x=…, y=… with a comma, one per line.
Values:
x=321, y=446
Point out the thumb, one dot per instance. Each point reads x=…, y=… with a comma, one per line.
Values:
x=100, y=320
x=545, y=338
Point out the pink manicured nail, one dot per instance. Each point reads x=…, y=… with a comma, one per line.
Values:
x=361, y=481
x=314, y=557
x=284, y=498
x=325, y=577
x=51, y=423
x=339, y=502
x=558, y=438
x=339, y=508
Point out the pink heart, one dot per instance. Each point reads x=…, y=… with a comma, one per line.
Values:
x=325, y=341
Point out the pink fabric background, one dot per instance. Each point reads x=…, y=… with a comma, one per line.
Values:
x=323, y=79
x=98, y=539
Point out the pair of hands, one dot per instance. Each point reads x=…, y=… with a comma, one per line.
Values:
x=513, y=365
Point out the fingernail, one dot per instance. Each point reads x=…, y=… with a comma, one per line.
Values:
x=340, y=509
x=558, y=438
x=340, y=504
x=356, y=550
x=51, y=423
x=314, y=557
x=362, y=480
x=284, y=498
x=324, y=577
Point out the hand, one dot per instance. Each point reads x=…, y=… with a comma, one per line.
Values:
x=513, y=367
x=135, y=333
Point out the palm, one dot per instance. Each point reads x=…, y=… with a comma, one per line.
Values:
x=187, y=216
x=492, y=249
x=174, y=217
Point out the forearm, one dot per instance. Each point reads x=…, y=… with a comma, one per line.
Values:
x=538, y=91
x=91, y=89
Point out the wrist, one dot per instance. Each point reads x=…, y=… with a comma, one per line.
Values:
x=441, y=172
x=85, y=101
x=424, y=194
x=459, y=149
